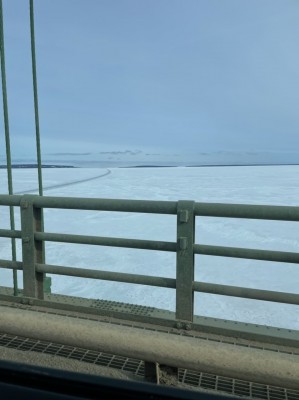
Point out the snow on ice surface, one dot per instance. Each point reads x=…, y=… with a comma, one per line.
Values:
x=273, y=185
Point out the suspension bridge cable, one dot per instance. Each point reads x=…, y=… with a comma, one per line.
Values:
x=37, y=131
x=7, y=143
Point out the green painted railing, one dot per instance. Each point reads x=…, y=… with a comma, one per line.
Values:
x=33, y=238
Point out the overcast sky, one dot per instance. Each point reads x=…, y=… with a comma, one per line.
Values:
x=173, y=75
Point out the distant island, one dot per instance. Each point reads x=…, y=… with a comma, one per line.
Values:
x=210, y=165
x=35, y=166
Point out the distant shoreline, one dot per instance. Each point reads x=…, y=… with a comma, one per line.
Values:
x=53, y=166
x=209, y=165
x=36, y=166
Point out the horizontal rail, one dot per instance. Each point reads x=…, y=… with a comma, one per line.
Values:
x=246, y=293
x=107, y=275
x=7, y=233
x=16, y=265
x=106, y=241
x=122, y=205
x=10, y=200
x=250, y=254
x=248, y=211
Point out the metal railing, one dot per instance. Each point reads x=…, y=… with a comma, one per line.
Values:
x=33, y=238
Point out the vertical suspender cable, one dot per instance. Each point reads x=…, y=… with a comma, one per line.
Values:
x=38, y=146
x=36, y=114
x=7, y=142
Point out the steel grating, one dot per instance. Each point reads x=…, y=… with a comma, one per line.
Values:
x=236, y=387
x=93, y=357
x=195, y=379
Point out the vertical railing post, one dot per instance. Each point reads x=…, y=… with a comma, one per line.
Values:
x=32, y=250
x=185, y=261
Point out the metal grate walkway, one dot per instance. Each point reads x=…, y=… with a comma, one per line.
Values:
x=203, y=381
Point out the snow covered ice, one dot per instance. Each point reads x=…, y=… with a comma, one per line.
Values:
x=272, y=185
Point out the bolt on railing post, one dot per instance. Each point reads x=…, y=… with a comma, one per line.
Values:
x=32, y=250
x=185, y=261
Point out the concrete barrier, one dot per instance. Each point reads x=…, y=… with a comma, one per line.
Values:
x=261, y=366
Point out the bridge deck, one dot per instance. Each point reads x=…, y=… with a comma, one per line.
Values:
x=44, y=353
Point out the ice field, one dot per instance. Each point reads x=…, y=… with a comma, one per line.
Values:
x=273, y=185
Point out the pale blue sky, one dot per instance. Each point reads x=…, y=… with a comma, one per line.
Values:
x=173, y=75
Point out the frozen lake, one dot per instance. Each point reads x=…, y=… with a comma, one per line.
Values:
x=273, y=185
